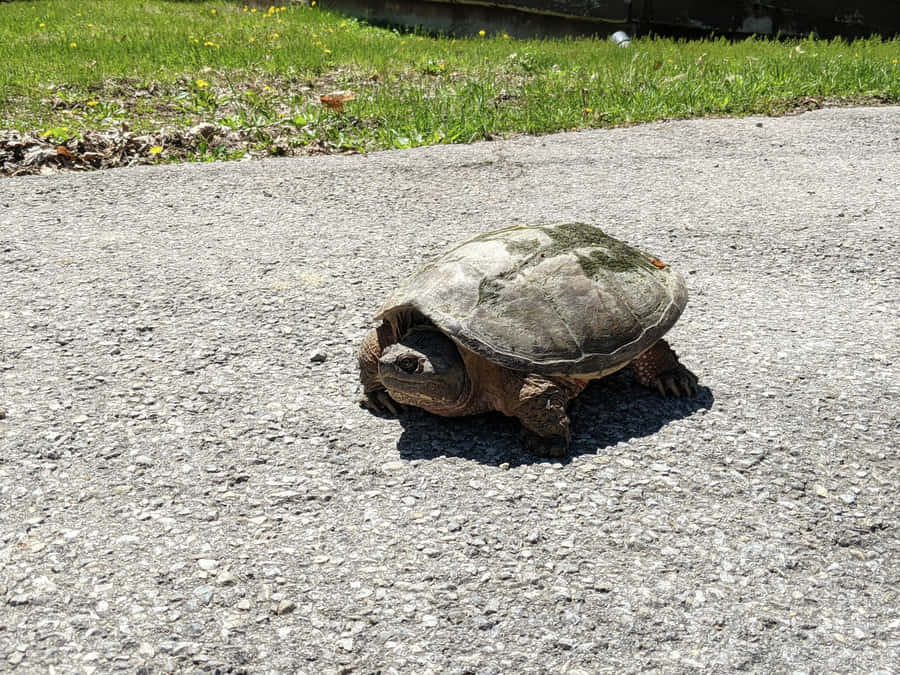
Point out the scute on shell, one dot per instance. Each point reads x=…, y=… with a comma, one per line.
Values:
x=551, y=299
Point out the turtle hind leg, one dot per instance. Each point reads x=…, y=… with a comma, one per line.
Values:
x=541, y=409
x=659, y=369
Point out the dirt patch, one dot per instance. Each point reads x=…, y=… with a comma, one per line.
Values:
x=32, y=153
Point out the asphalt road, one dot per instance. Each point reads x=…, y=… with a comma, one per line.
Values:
x=187, y=484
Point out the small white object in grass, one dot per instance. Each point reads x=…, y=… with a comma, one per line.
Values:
x=620, y=37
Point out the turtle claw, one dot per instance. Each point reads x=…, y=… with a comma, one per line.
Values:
x=677, y=382
x=543, y=446
x=380, y=402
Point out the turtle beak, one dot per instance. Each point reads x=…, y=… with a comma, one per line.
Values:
x=424, y=369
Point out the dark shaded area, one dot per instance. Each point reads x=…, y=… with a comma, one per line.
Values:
x=689, y=18
x=609, y=411
x=796, y=18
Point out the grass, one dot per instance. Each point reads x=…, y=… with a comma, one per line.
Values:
x=70, y=66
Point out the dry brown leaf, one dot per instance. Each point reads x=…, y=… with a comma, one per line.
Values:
x=335, y=100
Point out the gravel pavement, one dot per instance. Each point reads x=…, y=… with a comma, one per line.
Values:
x=187, y=483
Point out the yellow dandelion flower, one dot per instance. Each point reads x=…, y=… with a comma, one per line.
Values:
x=506, y=36
x=42, y=25
x=155, y=150
x=274, y=36
x=201, y=84
x=481, y=33
x=327, y=51
x=212, y=11
x=73, y=45
x=93, y=103
x=252, y=39
x=313, y=3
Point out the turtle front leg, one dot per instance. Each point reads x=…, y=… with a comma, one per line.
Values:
x=541, y=409
x=375, y=397
x=658, y=368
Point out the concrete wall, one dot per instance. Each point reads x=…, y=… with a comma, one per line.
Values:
x=526, y=18
x=519, y=18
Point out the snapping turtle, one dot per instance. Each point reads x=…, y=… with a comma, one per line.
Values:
x=519, y=320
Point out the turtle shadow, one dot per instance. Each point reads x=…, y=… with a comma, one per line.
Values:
x=609, y=411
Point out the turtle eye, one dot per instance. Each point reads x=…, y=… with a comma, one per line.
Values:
x=408, y=364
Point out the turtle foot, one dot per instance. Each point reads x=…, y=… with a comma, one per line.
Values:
x=658, y=368
x=381, y=403
x=678, y=381
x=544, y=446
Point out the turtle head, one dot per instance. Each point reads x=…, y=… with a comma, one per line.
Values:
x=424, y=370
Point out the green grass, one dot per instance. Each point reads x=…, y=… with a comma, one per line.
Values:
x=74, y=65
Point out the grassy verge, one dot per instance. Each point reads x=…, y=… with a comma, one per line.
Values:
x=72, y=67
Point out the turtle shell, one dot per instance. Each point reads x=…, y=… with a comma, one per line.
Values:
x=550, y=299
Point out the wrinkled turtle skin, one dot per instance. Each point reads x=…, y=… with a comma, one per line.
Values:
x=519, y=320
